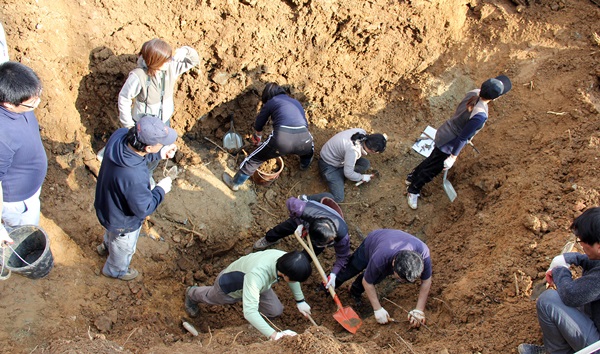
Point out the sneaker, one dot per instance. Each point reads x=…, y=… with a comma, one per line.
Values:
x=102, y=250
x=305, y=167
x=531, y=349
x=191, y=308
x=408, y=180
x=130, y=275
x=263, y=243
x=229, y=182
x=412, y=200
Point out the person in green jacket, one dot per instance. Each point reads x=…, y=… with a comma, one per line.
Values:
x=249, y=279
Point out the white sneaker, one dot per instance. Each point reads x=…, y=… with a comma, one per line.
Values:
x=263, y=243
x=412, y=200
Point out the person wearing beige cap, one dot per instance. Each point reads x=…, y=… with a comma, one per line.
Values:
x=124, y=197
x=470, y=116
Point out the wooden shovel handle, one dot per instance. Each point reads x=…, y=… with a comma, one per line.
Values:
x=317, y=265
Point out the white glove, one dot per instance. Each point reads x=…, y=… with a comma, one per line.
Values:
x=304, y=308
x=366, y=178
x=168, y=151
x=282, y=334
x=298, y=231
x=382, y=316
x=165, y=184
x=449, y=162
x=330, y=281
x=4, y=238
x=416, y=318
x=180, y=54
x=558, y=261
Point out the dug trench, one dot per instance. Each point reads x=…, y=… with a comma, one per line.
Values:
x=389, y=67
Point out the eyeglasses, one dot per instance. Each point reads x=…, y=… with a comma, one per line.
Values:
x=34, y=105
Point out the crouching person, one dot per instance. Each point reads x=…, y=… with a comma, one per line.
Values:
x=249, y=279
x=389, y=252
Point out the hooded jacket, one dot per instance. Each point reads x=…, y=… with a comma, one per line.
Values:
x=123, y=194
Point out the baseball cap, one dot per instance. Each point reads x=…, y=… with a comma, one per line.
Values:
x=494, y=88
x=151, y=131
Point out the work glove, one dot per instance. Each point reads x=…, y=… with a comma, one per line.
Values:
x=449, y=162
x=4, y=238
x=366, y=178
x=304, y=308
x=558, y=261
x=165, y=184
x=330, y=281
x=282, y=334
x=382, y=316
x=168, y=151
x=256, y=139
x=416, y=318
x=299, y=230
x=180, y=54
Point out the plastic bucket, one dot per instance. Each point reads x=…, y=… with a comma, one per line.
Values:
x=30, y=254
x=265, y=179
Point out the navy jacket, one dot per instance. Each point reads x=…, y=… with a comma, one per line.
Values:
x=123, y=194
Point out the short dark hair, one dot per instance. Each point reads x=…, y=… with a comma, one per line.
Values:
x=321, y=231
x=376, y=142
x=133, y=140
x=18, y=83
x=408, y=265
x=294, y=265
x=271, y=90
x=587, y=226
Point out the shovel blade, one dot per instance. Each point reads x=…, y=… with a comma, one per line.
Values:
x=232, y=141
x=348, y=319
x=448, y=188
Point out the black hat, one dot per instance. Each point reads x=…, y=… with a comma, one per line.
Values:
x=494, y=88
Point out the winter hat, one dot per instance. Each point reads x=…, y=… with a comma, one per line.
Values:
x=151, y=131
x=494, y=88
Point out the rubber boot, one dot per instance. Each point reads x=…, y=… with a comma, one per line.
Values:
x=234, y=183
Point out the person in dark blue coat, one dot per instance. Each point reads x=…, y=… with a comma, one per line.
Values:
x=124, y=197
x=290, y=134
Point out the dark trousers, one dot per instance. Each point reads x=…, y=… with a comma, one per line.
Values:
x=356, y=264
x=427, y=170
x=335, y=178
x=285, y=229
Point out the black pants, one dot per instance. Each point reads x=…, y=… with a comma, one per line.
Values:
x=427, y=170
x=356, y=264
x=283, y=141
x=285, y=229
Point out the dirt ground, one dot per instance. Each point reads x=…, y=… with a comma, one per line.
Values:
x=387, y=66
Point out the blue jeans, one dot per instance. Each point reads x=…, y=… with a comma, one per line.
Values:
x=566, y=329
x=335, y=178
x=26, y=212
x=121, y=248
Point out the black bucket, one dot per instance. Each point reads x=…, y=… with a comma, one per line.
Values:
x=30, y=254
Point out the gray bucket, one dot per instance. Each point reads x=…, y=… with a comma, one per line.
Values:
x=30, y=254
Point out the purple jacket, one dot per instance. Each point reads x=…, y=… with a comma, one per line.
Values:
x=303, y=212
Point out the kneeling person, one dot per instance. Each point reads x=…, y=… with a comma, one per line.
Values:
x=249, y=279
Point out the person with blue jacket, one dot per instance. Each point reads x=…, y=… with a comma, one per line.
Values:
x=124, y=197
x=468, y=119
x=290, y=134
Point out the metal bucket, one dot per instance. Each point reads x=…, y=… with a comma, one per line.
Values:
x=265, y=179
x=30, y=254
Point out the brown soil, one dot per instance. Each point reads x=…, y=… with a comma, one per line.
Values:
x=391, y=67
x=270, y=166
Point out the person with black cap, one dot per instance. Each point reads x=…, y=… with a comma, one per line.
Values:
x=290, y=134
x=341, y=158
x=249, y=280
x=469, y=117
x=124, y=197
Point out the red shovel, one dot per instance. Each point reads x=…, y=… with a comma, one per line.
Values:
x=344, y=315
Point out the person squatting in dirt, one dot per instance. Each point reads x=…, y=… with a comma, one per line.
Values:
x=149, y=88
x=468, y=119
x=290, y=134
x=389, y=252
x=325, y=227
x=249, y=279
x=124, y=197
x=23, y=161
x=570, y=315
x=341, y=157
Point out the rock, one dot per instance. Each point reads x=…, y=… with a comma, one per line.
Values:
x=103, y=324
x=220, y=78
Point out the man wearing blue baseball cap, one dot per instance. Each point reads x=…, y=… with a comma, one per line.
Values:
x=468, y=119
x=124, y=197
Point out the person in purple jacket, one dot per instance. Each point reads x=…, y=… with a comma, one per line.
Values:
x=290, y=134
x=470, y=116
x=325, y=227
x=570, y=315
x=389, y=252
x=23, y=161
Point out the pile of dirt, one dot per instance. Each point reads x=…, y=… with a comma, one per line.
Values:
x=386, y=67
